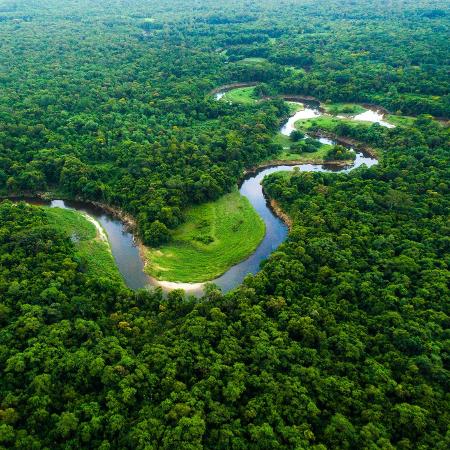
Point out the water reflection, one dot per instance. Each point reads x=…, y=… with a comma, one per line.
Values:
x=374, y=117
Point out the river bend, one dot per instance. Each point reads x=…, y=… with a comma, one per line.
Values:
x=128, y=257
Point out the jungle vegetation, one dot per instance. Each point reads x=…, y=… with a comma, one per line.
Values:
x=339, y=342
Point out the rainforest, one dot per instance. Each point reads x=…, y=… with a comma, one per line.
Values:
x=224, y=225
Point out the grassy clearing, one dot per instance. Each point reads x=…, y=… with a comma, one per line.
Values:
x=252, y=60
x=94, y=251
x=328, y=123
x=343, y=108
x=288, y=155
x=402, y=121
x=245, y=96
x=215, y=236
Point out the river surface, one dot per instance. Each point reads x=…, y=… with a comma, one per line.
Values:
x=127, y=256
x=374, y=117
x=308, y=111
x=312, y=110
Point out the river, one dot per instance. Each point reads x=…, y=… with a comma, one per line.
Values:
x=128, y=257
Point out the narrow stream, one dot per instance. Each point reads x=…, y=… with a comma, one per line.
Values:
x=128, y=258
x=309, y=111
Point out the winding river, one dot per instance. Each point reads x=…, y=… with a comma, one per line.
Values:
x=127, y=255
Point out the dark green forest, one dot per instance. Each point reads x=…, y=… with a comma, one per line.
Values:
x=341, y=341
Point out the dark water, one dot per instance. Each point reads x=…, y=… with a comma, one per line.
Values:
x=128, y=258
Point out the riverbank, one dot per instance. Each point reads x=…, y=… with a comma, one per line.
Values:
x=89, y=239
x=277, y=210
x=133, y=261
x=126, y=218
x=347, y=141
x=215, y=243
x=310, y=98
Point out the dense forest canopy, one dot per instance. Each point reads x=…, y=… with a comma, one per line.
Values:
x=108, y=101
x=340, y=341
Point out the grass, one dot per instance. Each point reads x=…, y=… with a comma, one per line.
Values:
x=343, y=108
x=214, y=237
x=245, y=96
x=282, y=140
x=328, y=123
x=294, y=107
x=317, y=156
x=402, y=121
x=286, y=155
x=252, y=60
x=94, y=251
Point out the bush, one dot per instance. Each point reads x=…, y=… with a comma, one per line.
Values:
x=156, y=234
x=339, y=153
x=310, y=145
x=296, y=136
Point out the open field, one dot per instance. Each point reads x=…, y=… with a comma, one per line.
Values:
x=343, y=108
x=215, y=236
x=244, y=96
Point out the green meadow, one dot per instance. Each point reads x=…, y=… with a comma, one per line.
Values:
x=245, y=96
x=214, y=237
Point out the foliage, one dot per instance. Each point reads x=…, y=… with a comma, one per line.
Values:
x=342, y=333
x=343, y=108
x=296, y=136
x=157, y=234
x=94, y=252
x=339, y=153
x=308, y=145
x=340, y=341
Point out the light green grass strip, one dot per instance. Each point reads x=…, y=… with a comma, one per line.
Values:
x=94, y=251
x=252, y=61
x=328, y=123
x=343, y=108
x=244, y=96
